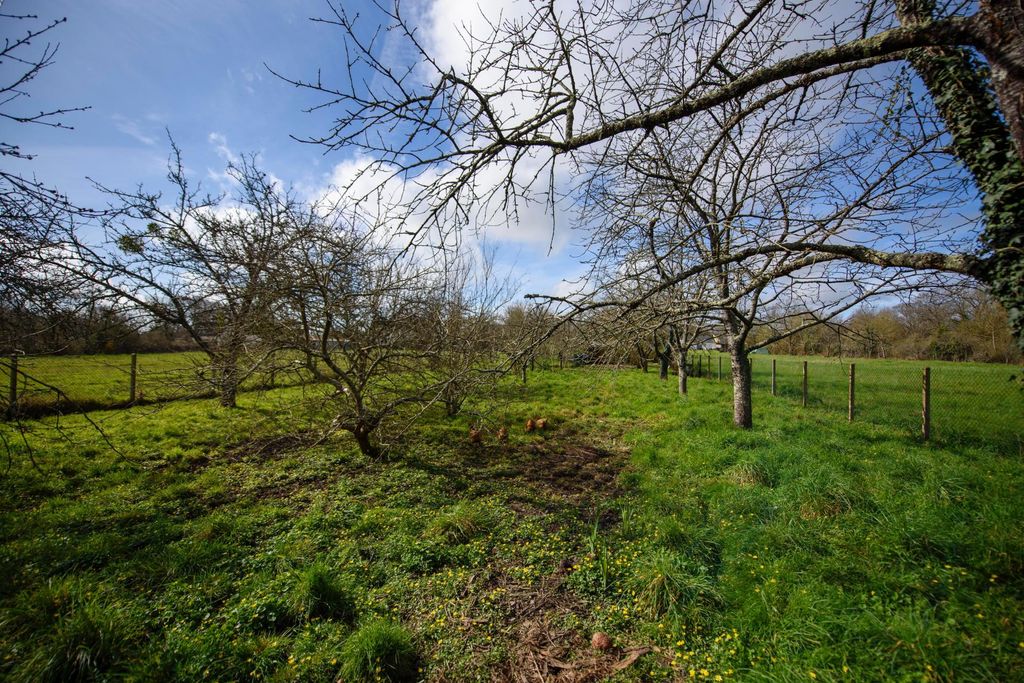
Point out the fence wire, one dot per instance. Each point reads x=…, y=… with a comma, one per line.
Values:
x=63, y=384
x=969, y=403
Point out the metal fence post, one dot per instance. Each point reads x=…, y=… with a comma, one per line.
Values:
x=719, y=368
x=853, y=375
x=926, y=404
x=804, y=402
x=132, y=378
x=12, y=394
x=700, y=365
x=773, y=376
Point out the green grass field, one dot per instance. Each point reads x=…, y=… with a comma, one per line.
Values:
x=234, y=545
x=104, y=380
x=971, y=403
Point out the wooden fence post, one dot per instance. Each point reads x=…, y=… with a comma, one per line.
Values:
x=853, y=375
x=12, y=394
x=132, y=378
x=773, y=376
x=719, y=368
x=804, y=402
x=926, y=404
x=700, y=365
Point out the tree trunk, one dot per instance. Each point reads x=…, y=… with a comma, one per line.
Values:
x=452, y=400
x=681, y=361
x=986, y=138
x=663, y=354
x=1005, y=52
x=366, y=446
x=742, y=412
x=228, y=382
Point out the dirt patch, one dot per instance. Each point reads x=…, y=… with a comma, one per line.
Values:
x=573, y=471
x=555, y=471
x=547, y=654
x=543, y=652
x=570, y=473
x=540, y=650
x=269, y=446
x=257, y=448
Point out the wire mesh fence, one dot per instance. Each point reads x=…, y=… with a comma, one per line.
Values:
x=966, y=403
x=969, y=403
x=39, y=385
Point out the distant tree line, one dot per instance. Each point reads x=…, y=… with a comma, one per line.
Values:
x=85, y=330
x=953, y=325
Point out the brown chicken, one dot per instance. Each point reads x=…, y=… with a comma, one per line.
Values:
x=541, y=423
x=476, y=435
x=530, y=425
x=502, y=434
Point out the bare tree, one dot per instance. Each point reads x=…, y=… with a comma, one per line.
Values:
x=204, y=263
x=733, y=207
x=568, y=79
x=462, y=328
x=354, y=311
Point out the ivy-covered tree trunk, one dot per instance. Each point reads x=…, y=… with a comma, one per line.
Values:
x=983, y=134
x=1005, y=51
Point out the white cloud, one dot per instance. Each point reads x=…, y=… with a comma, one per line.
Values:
x=220, y=145
x=133, y=130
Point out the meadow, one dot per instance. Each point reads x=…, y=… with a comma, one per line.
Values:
x=971, y=403
x=219, y=544
x=104, y=380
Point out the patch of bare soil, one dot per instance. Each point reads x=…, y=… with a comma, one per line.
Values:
x=572, y=473
x=547, y=654
x=544, y=652
x=257, y=448
x=541, y=651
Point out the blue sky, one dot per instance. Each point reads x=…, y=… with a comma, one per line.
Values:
x=196, y=68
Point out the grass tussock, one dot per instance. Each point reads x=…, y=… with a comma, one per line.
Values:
x=665, y=583
x=87, y=643
x=461, y=522
x=320, y=593
x=379, y=651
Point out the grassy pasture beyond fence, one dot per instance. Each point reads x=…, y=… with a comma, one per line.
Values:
x=971, y=403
